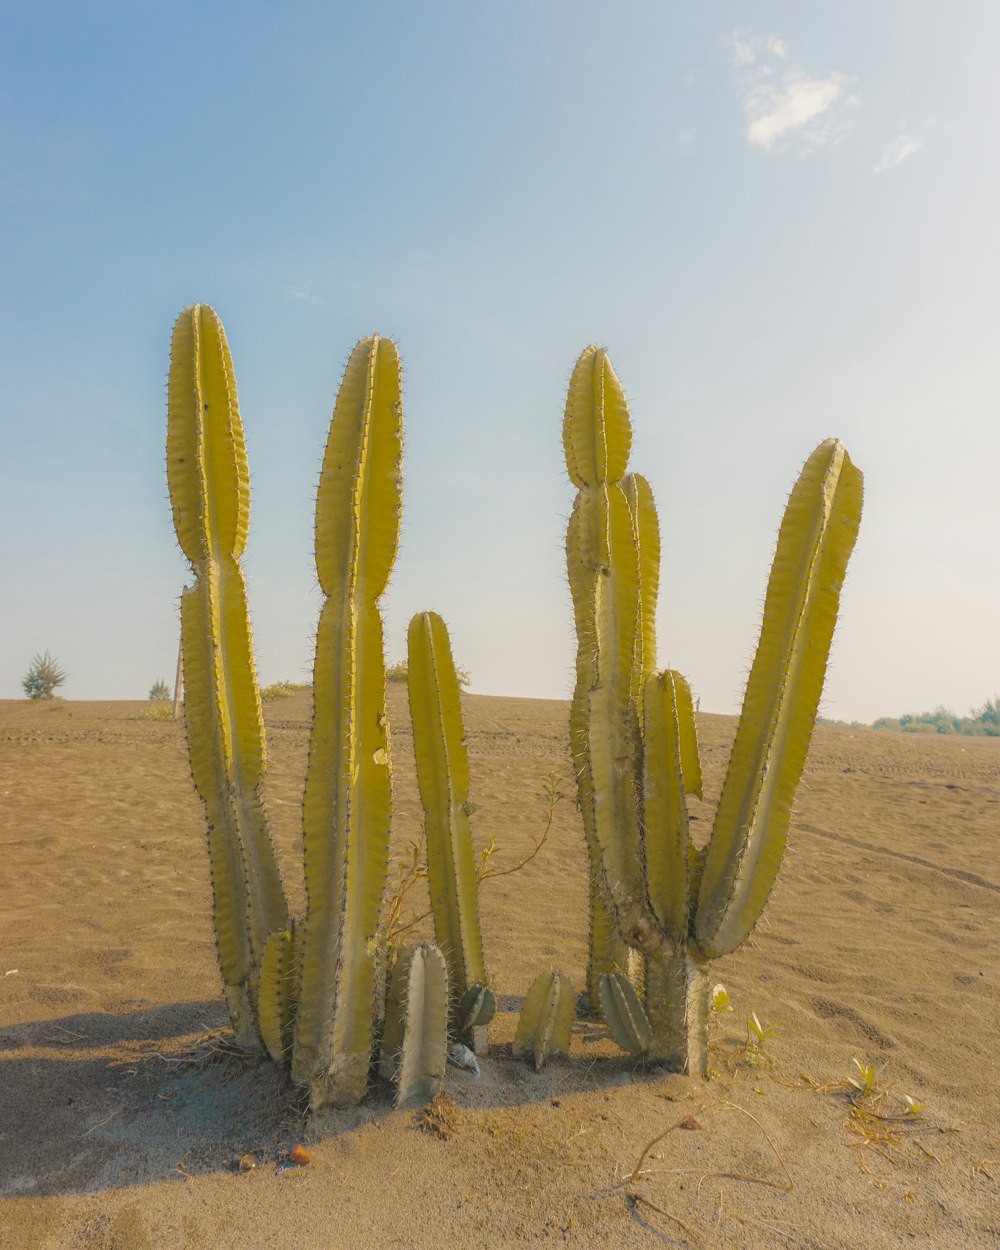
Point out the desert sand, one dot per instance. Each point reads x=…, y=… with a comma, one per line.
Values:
x=122, y=1117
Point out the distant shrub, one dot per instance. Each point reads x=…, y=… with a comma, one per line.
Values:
x=989, y=716
x=156, y=713
x=398, y=672
x=280, y=690
x=42, y=677
x=159, y=690
x=984, y=722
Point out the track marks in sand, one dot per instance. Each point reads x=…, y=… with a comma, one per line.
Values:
x=957, y=874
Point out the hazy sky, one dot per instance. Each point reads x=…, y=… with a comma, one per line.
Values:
x=781, y=219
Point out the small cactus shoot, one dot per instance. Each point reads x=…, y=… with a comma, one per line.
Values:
x=545, y=1025
x=443, y=779
x=414, y=1051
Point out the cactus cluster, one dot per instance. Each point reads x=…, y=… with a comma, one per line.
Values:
x=633, y=735
x=312, y=991
x=323, y=992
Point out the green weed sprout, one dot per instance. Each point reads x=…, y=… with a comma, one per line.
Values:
x=758, y=1034
x=719, y=1001
x=869, y=1075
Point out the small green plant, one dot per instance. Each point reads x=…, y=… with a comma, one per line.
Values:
x=42, y=677
x=868, y=1075
x=758, y=1035
x=913, y=1108
x=159, y=690
x=719, y=1002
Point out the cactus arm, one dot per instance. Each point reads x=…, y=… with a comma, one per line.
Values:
x=414, y=1049
x=597, y=433
x=476, y=1007
x=229, y=892
x=646, y=528
x=612, y=553
x=209, y=488
x=815, y=541
x=347, y=803
x=614, y=742
x=545, y=1025
x=207, y=471
x=607, y=950
x=665, y=814
x=278, y=993
x=688, y=732
x=443, y=780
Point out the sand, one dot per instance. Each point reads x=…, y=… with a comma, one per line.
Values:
x=122, y=1117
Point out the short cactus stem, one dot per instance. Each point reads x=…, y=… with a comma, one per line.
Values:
x=677, y=1008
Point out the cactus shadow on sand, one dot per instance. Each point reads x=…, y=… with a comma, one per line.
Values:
x=104, y=1101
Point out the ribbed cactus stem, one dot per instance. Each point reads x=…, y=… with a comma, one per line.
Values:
x=677, y=1010
x=210, y=496
x=415, y=1038
x=347, y=804
x=633, y=736
x=545, y=1025
x=815, y=541
x=443, y=779
x=612, y=558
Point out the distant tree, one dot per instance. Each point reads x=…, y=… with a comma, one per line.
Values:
x=983, y=722
x=159, y=690
x=989, y=713
x=42, y=677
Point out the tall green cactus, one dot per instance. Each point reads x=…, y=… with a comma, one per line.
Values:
x=443, y=780
x=347, y=805
x=613, y=561
x=633, y=733
x=309, y=989
x=210, y=496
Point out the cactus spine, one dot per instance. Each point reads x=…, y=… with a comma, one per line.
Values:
x=347, y=805
x=443, y=780
x=210, y=497
x=633, y=734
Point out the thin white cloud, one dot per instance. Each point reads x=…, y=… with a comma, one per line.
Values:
x=788, y=110
x=902, y=148
x=744, y=50
x=300, y=293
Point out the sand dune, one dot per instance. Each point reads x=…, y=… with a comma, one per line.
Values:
x=122, y=1116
